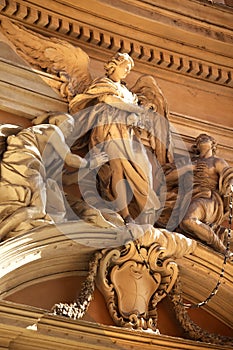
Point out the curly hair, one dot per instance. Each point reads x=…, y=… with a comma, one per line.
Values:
x=115, y=61
x=200, y=138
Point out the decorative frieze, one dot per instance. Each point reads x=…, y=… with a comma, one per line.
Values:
x=75, y=30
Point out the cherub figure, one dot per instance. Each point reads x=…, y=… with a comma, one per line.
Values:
x=31, y=168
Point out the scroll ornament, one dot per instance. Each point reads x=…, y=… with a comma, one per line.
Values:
x=135, y=278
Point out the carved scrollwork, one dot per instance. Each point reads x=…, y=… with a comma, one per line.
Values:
x=133, y=279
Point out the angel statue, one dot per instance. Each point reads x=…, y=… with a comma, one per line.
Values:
x=31, y=164
x=131, y=126
x=127, y=126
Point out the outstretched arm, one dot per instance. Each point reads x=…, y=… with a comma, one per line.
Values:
x=120, y=103
x=57, y=141
x=94, y=162
x=76, y=161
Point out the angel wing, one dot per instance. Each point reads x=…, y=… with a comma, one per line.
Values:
x=55, y=56
x=150, y=95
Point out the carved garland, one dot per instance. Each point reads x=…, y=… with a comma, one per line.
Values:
x=75, y=30
x=134, y=304
x=166, y=279
x=195, y=332
x=79, y=308
x=171, y=282
x=134, y=278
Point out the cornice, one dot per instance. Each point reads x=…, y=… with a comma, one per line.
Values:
x=152, y=41
x=25, y=92
x=182, y=124
x=30, y=328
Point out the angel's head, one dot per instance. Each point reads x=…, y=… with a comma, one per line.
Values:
x=119, y=66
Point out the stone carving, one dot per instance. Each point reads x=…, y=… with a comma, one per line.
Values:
x=118, y=125
x=153, y=56
x=56, y=56
x=208, y=181
x=194, y=331
x=131, y=127
x=135, y=278
x=30, y=167
x=127, y=133
x=79, y=308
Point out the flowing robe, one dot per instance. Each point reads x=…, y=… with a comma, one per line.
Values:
x=114, y=131
x=30, y=195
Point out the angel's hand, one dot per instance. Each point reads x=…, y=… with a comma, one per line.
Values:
x=121, y=103
x=98, y=160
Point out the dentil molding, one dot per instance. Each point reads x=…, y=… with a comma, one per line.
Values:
x=146, y=47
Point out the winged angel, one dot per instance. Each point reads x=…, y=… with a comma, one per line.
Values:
x=130, y=126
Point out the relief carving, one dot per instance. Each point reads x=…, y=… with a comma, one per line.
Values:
x=203, y=200
x=136, y=277
x=124, y=134
x=111, y=161
x=130, y=128
x=133, y=278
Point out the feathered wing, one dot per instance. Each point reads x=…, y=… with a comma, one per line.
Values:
x=159, y=136
x=52, y=55
x=150, y=95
